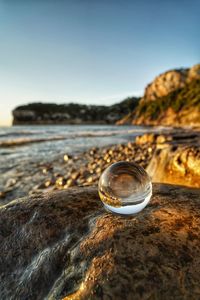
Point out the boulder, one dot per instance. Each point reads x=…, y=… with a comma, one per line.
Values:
x=176, y=159
x=64, y=245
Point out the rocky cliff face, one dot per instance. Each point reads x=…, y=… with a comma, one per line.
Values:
x=170, y=81
x=48, y=113
x=173, y=98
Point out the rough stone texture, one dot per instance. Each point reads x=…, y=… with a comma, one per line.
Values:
x=176, y=159
x=186, y=117
x=170, y=81
x=176, y=165
x=65, y=245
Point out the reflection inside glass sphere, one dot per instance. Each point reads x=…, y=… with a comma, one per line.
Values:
x=125, y=188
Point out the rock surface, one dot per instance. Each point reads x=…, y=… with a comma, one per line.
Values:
x=176, y=159
x=176, y=165
x=170, y=81
x=65, y=245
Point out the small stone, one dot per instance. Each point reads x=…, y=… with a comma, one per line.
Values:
x=11, y=182
x=47, y=183
x=70, y=182
x=98, y=170
x=90, y=179
x=75, y=175
x=44, y=171
x=85, y=173
x=2, y=195
x=60, y=181
x=67, y=157
x=110, y=152
x=93, y=151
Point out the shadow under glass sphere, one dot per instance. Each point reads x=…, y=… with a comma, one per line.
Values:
x=125, y=188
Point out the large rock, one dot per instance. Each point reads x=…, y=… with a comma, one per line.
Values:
x=65, y=245
x=176, y=159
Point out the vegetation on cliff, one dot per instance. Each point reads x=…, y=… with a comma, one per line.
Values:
x=72, y=113
x=178, y=100
x=172, y=98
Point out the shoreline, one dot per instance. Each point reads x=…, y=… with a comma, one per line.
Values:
x=67, y=171
x=161, y=154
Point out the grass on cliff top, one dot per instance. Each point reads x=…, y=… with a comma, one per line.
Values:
x=184, y=98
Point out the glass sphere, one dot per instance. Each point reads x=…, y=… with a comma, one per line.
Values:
x=125, y=188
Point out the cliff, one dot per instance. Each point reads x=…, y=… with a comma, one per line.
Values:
x=173, y=98
x=49, y=113
x=170, y=81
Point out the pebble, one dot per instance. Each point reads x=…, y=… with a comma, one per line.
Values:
x=67, y=157
x=11, y=182
x=2, y=195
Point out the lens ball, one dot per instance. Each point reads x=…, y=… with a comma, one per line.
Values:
x=125, y=188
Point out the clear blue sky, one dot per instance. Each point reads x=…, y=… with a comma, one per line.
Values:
x=91, y=51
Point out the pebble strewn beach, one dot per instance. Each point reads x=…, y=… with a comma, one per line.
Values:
x=86, y=168
x=73, y=170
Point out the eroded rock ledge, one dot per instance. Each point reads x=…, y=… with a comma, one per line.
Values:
x=176, y=158
x=65, y=245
